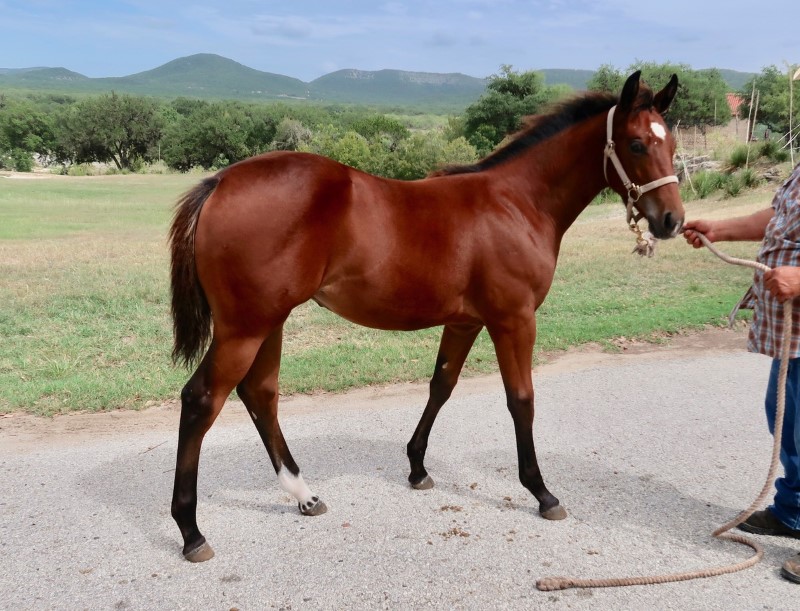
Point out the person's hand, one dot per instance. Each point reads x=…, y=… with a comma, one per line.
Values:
x=783, y=282
x=692, y=228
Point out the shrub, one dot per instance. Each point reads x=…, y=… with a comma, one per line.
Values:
x=291, y=135
x=156, y=167
x=738, y=157
x=220, y=162
x=113, y=170
x=80, y=169
x=21, y=161
x=749, y=178
x=606, y=196
x=767, y=148
x=705, y=183
x=687, y=193
x=17, y=160
x=772, y=151
x=733, y=185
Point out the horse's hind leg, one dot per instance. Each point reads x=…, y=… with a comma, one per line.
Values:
x=453, y=350
x=223, y=366
x=259, y=392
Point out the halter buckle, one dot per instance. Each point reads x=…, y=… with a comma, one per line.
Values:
x=634, y=192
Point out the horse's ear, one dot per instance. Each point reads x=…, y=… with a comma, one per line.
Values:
x=664, y=97
x=629, y=92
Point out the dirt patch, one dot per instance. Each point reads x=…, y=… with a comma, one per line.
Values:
x=594, y=355
x=21, y=430
x=28, y=175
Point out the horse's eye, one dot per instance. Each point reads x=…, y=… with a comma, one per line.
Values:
x=638, y=147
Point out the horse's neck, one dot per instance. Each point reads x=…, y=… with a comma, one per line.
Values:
x=565, y=173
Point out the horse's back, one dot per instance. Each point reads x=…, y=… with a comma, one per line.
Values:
x=284, y=227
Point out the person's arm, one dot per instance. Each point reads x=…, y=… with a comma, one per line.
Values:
x=740, y=228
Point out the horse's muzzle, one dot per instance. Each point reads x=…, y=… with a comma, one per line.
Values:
x=666, y=227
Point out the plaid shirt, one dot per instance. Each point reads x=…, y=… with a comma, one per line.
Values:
x=781, y=246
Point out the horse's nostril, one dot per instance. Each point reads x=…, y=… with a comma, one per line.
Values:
x=668, y=222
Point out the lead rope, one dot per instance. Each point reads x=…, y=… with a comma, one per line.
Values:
x=562, y=583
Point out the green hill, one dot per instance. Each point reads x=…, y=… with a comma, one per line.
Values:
x=576, y=79
x=736, y=80
x=43, y=78
x=214, y=77
x=399, y=88
x=206, y=75
x=200, y=76
x=19, y=70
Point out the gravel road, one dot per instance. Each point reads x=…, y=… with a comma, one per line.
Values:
x=649, y=450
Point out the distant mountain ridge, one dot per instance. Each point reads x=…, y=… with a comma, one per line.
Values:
x=397, y=87
x=210, y=76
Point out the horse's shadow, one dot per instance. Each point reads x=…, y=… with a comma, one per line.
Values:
x=238, y=474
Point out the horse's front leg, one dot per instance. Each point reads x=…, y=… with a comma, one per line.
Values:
x=513, y=343
x=453, y=350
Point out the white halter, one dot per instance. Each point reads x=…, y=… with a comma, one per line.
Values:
x=634, y=190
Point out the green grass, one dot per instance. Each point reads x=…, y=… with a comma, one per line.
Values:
x=83, y=288
x=84, y=298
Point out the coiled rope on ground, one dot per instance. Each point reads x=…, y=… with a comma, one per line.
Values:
x=563, y=583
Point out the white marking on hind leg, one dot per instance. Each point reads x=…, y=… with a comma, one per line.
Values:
x=294, y=485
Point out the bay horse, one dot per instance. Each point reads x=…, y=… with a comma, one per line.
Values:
x=465, y=248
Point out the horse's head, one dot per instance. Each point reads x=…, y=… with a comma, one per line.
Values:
x=641, y=148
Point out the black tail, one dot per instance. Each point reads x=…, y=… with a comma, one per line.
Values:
x=191, y=315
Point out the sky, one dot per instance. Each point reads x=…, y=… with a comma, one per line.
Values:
x=307, y=39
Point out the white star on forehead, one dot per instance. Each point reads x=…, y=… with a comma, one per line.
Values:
x=658, y=130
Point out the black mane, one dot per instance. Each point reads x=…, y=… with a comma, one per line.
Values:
x=541, y=127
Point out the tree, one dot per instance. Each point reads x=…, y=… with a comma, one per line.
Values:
x=263, y=128
x=381, y=127
x=348, y=147
x=187, y=106
x=773, y=99
x=413, y=157
x=455, y=128
x=352, y=149
x=117, y=128
x=701, y=100
x=24, y=127
x=607, y=79
x=421, y=154
x=24, y=131
x=210, y=136
x=290, y=135
x=510, y=96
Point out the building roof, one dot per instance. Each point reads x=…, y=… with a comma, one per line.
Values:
x=734, y=102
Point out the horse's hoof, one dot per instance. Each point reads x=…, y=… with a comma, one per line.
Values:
x=200, y=554
x=313, y=508
x=426, y=483
x=554, y=513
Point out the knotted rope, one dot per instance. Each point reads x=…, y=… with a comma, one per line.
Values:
x=562, y=583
